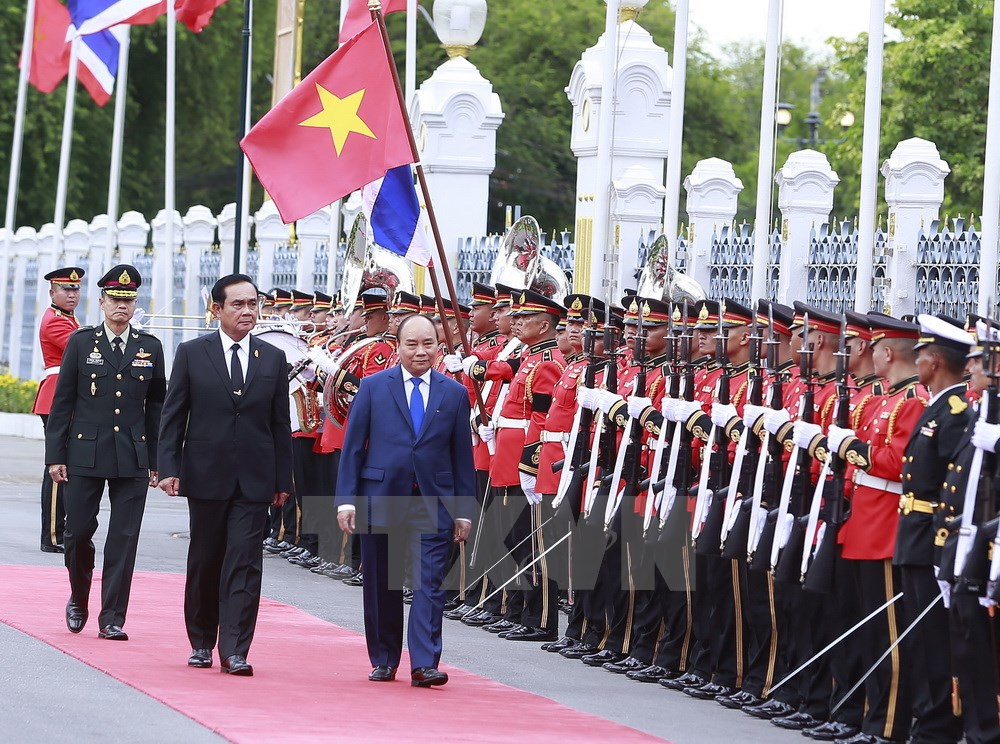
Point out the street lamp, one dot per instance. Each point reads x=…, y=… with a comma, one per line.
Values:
x=459, y=24
x=783, y=117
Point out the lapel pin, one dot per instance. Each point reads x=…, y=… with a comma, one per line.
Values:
x=256, y=353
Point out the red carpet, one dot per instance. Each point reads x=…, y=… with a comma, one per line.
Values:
x=341, y=706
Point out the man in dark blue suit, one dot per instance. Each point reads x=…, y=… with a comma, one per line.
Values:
x=407, y=485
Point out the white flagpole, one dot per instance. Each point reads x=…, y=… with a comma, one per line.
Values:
x=244, y=215
x=869, y=159
x=117, y=140
x=991, y=185
x=765, y=156
x=163, y=286
x=410, y=74
x=600, y=284
x=15, y=163
x=673, y=183
x=59, y=220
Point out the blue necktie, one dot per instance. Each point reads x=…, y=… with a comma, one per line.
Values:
x=416, y=405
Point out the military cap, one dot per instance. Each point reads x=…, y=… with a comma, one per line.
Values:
x=449, y=309
x=483, y=294
x=647, y=312
x=428, y=306
x=733, y=314
x=782, y=315
x=322, y=301
x=506, y=295
x=372, y=302
x=405, y=303
x=122, y=281
x=940, y=330
x=987, y=334
x=819, y=319
x=301, y=299
x=282, y=297
x=67, y=277
x=858, y=325
x=581, y=308
x=887, y=327
x=532, y=303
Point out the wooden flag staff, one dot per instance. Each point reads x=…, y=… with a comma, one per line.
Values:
x=375, y=6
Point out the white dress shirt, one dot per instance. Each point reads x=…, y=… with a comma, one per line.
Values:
x=957, y=387
x=123, y=336
x=243, y=351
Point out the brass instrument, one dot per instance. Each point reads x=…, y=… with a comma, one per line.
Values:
x=520, y=263
x=368, y=266
x=661, y=281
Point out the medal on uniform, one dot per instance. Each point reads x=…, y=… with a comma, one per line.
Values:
x=93, y=388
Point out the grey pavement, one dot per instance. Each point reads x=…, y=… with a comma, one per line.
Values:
x=57, y=694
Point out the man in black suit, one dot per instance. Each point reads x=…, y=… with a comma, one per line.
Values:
x=102, y=428
x=226, y=444
x=411, y=493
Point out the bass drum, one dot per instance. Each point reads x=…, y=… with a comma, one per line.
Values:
x=295, y=350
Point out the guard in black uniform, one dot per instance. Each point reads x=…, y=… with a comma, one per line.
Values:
x=103, y=428
x=933, y=446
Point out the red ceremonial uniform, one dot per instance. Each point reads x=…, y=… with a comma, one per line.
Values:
x=53, y=333
x=559, y=424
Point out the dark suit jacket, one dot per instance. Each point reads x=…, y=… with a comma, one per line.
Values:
x=383, y=457
x=214, y=439
x=105, y=415
x=934, y=444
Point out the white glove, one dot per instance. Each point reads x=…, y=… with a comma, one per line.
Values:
x=487, y=433
x=468, y=363
x=752, y=414
x=774, y=419
x=836, y=437
x=723, y=414
x=803, y=433
x=453, y=363
x=985, y=600
x=637, y=404
x=682, y=410
x=606, y=399
x=528, y=486
x=322, y=360
x=945, y=588
x=985, y=436
x=586, y=397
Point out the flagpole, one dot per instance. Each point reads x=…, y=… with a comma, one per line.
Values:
x=376, y=10
x=163, y=260
x=673, y=196
x=117, y=139
x=242, y=180
x=991, y=182
x=411, y=52
x=59, y=219
x=27, y=45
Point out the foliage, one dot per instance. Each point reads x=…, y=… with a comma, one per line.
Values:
x=936, y=80
x=16, y=396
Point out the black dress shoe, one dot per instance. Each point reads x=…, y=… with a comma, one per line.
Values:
x=863, y=738
x=557, y=646
x=499, y=626
x=427, y=677
x=601, y=658
x=690, y=679
x=579, y=650
x=76, y=616
x=113, y=633
x=292, y=551
x=270, y=542
x=831, y=731
x=652, y=673
x=452, y=604
x=708, y=691
x=343, y=572
x=531, y=634
x=628, y=664
x=382, y=674
x=796, y=721
x=50, y=548
x=279, y=547
x=457, y=613
x=738, y=700
x=305, y=559
x=358, y=580
x=200, y=658
x=480, y=619
x=771, y=709
x=514, y=627
x=237, y=666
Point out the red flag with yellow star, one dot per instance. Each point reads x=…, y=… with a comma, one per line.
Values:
x=339, y=129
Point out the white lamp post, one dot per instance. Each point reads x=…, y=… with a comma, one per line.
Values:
x=459, y=24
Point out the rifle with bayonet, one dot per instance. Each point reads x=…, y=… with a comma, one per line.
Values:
x=650, y=525
x=767, y=492
x=818, y=562
x=785, y=551
x=602, y=461
x=710, y=506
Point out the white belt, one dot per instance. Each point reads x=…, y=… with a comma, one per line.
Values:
x=861, y=478
x=52, y=370
x=508, y=423
x=556, y=436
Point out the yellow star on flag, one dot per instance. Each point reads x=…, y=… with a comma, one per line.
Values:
x=340, y=116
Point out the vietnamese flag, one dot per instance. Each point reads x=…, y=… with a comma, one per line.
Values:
x=49, y=50
x=358, y=16
x=338, y=130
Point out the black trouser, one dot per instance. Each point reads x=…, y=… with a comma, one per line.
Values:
x=718, y=598
x=974, y=653
x=53, y=509
x=83, y=503
x=760, y=623
x=308, y=480
x=927, y=648
x=846, y=658
x=805, y=616
x=224, y=569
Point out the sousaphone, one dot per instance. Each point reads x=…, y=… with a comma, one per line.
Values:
x=661, y=281
x=520, y=263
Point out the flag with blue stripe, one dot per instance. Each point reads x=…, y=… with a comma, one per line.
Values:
x=91, y=16
x=393, y=213
x=98, y=62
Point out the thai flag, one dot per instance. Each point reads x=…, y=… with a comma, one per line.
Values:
x=98, y=62
x=90, y=16
x=393, y=212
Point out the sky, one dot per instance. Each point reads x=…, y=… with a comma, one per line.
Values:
x=806, y=22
